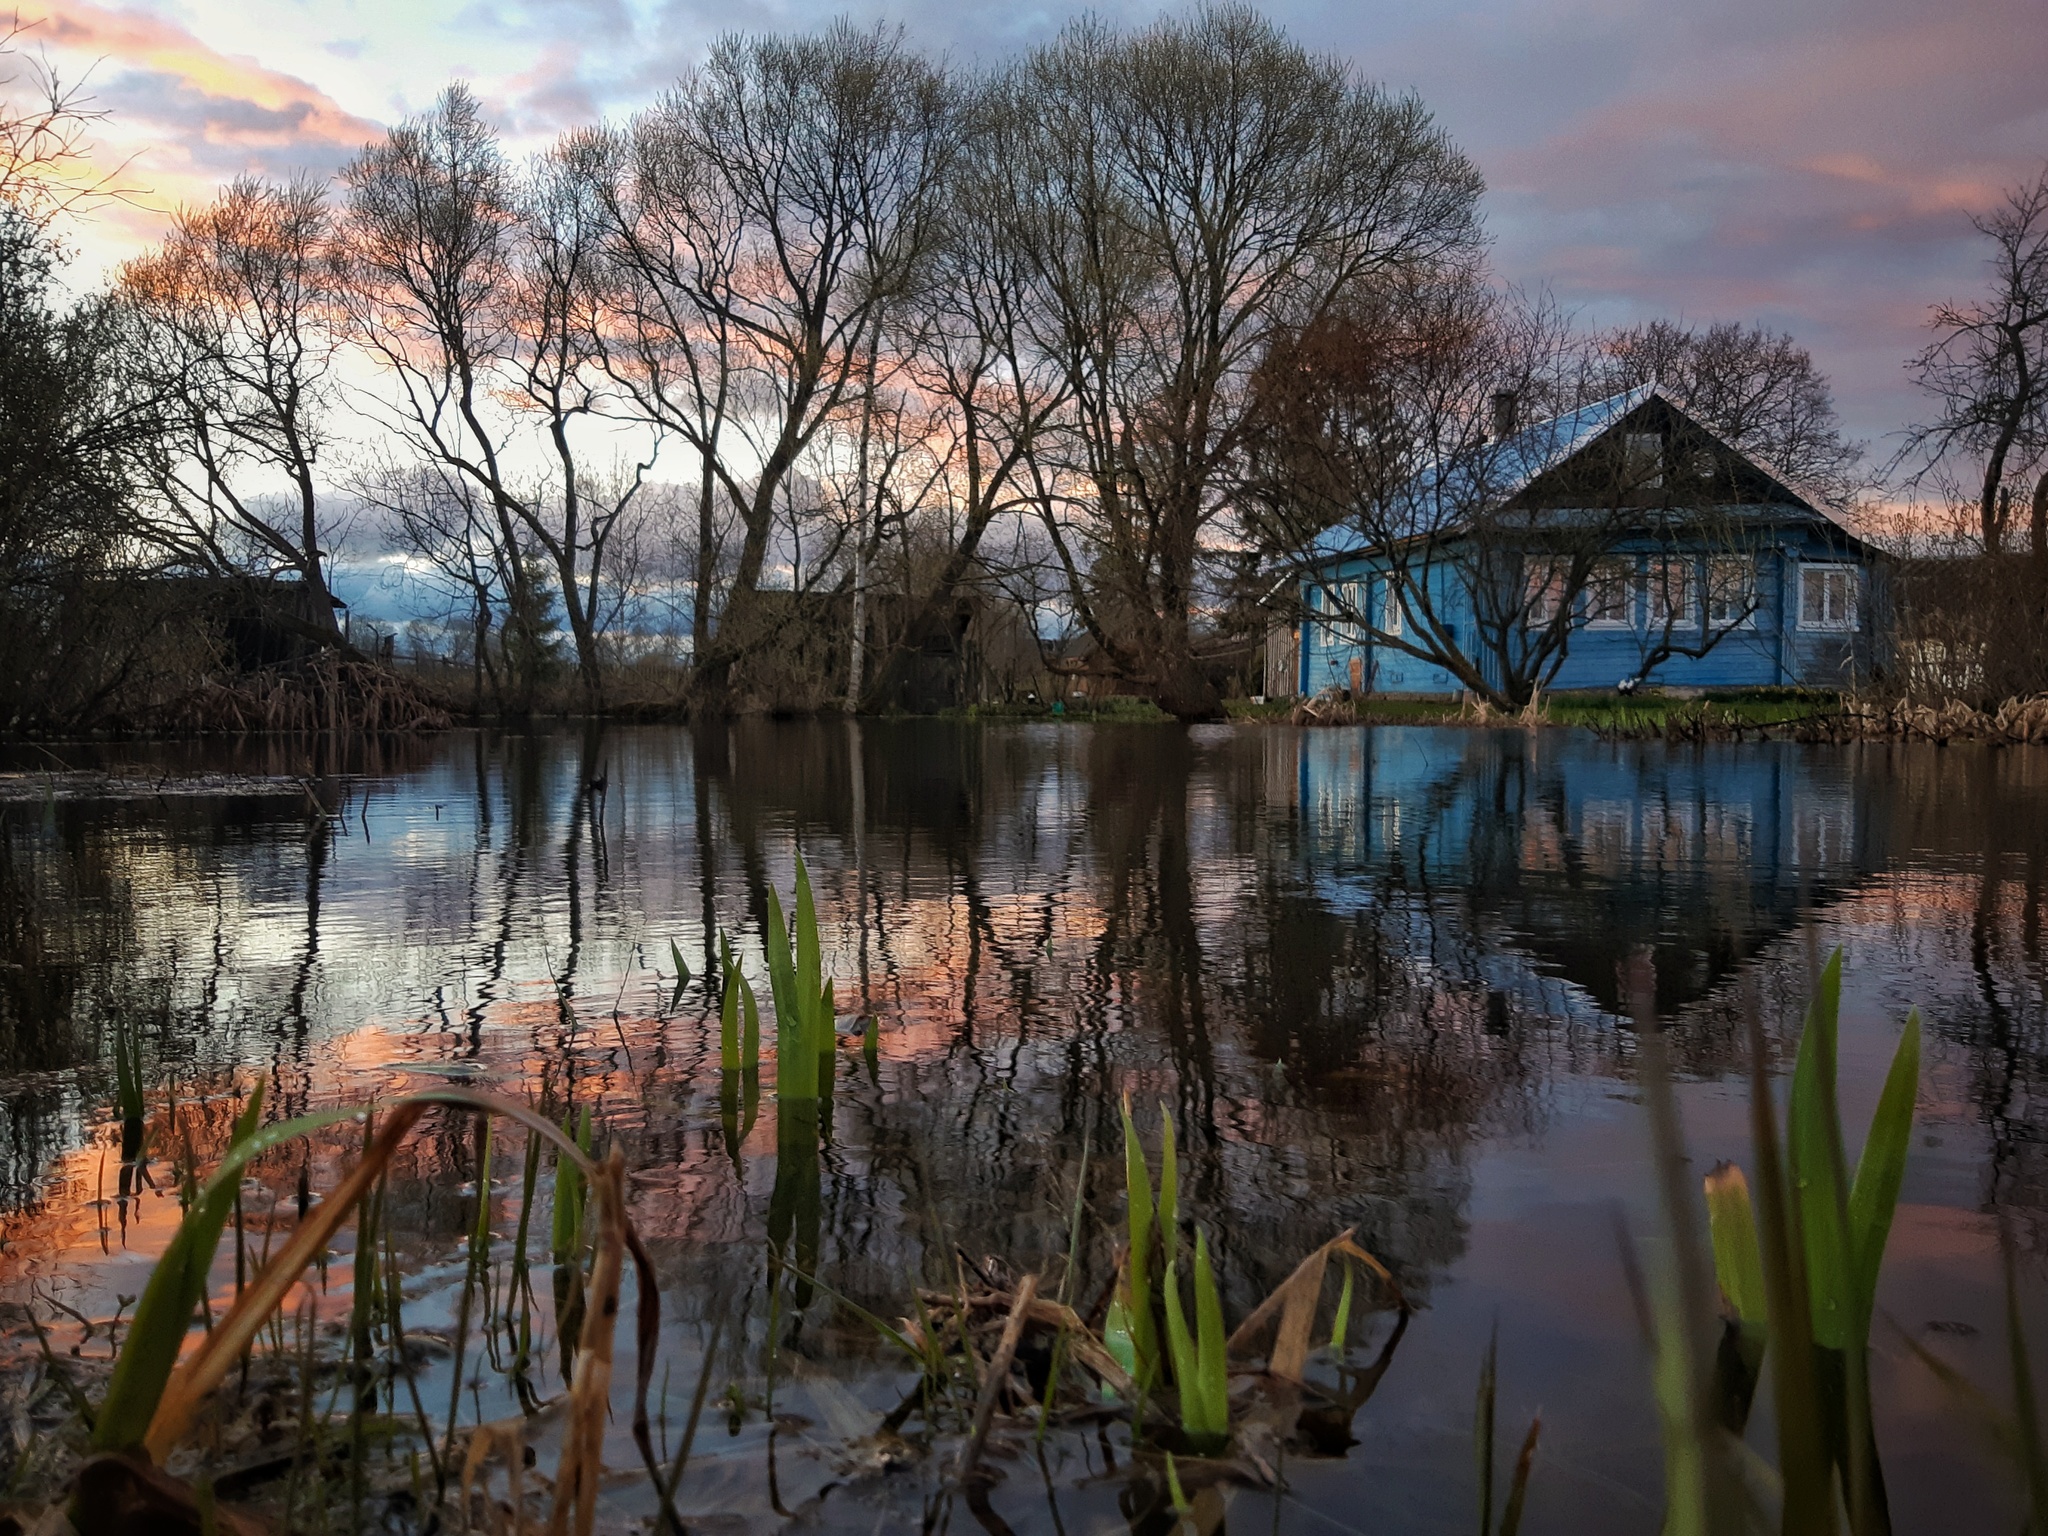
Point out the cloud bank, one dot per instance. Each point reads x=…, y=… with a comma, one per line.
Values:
x=1811, y=164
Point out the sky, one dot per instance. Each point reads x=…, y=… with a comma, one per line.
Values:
x=1809, y=164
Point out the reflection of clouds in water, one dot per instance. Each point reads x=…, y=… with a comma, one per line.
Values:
x=1362, y=968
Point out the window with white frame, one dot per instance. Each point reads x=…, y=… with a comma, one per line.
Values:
x=1545, y=594
x=1827, y=596
x=1671, y=594
x=1391, y=613
x=1354, y=609
x=1731, y=590
x=1611, y=595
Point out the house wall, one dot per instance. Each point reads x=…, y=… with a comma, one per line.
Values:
x=1772, y=648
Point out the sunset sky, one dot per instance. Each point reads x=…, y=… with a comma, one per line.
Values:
x=1808, y=163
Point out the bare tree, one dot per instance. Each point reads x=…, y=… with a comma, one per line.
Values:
x=456, y=564
x=46, y=124
x=556, y=320
x=428, y=238
x=235, y=347
x=476, y=292
x=1181, y=193
x=992, y=396
x=1987, y=371
x=671, y=340
x=1398, y=429
x=781, y=198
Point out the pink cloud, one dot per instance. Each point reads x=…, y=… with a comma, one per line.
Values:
x=183, y=116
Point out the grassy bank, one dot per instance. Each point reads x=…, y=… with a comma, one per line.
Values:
x=1610, y=713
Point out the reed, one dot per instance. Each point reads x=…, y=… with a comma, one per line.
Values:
x=803, y=1001
x=1200, y=1372
x=675, y=954
x=154, y=1396
x=1823, y=1230
x=1484, y=1455
x=128, y=1099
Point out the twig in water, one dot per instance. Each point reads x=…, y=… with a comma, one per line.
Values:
x=998, y=1373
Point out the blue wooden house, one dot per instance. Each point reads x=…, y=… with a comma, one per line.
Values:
x=1705, y=569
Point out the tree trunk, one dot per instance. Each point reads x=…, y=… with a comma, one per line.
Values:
x=700, y=612
x=1179, y=685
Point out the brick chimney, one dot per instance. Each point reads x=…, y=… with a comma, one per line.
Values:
x=1505, y=414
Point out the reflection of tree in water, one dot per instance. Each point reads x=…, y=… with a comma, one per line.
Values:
x=1059, y=890
x=1341, y=958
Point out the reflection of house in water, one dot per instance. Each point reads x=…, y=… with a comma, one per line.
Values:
x=1570, y=853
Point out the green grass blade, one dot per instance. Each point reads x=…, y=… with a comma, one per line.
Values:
x=750, y=1028
x=1212, y=1369
x=1809, y=1492
x=1117, y=1337
x=1340, y=1331
x=1739, y=1270
x=1169, y=1187
x=1882, y=1168
x=1174, y=1493
x=682, y=972
x=796, y=1064
x=809, y=965
x=1138, y=1261
x=164, y=1313
x=1180, y=1346
x=1518, y=1490
x=729, y=1025
x=568, y=1199
x=127, y=1072
x=1814, y=1145
x=1738, y=1261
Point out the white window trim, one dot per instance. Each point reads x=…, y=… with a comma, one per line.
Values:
x=1541, y=606
x=1632, y=586
x=1752, y=596
x=1393, y=611
x=1654, y=588
x=1846, y=625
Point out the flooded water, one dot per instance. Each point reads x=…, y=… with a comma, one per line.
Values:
x=1374, y=976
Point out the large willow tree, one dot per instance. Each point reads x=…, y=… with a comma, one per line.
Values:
x=1177, y=196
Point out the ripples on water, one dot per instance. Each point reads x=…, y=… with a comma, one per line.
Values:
x=1373, y=974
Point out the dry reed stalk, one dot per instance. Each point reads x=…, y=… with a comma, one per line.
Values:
x=582, y=1462
x=1086, y=1349
x=506, y=1439
x=209, y=1364
x=1294, y=1301
x=998, y=1373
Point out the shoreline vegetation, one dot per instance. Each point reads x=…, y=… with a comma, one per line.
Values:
x=296, y=1406
x=355, y=697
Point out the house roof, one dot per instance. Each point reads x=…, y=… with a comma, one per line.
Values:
x=1504, y=470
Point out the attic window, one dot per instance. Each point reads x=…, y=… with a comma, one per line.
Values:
x=1645, y=460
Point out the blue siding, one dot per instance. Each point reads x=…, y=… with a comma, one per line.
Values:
x=1771, y=648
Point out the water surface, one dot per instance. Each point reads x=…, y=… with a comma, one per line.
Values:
x=1376, y=976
